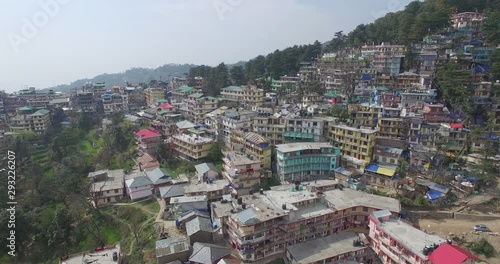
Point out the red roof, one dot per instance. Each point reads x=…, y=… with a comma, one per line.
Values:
x=450, y=254
x=166, y=106
x=456, y=125
x=147, y=133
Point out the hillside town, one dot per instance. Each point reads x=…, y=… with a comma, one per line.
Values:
x=341, y=163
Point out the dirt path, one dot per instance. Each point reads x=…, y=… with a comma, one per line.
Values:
x=463, y=229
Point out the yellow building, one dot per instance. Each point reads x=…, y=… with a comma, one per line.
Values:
x=192, y=147
x=232, y=93
x=253, y=144
x=390, y=127
x=153, y=95
x=356, y=144
x=364, y=114
x=271, y=128
x=253, y=96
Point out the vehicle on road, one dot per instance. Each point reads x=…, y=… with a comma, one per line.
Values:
x=481, y=227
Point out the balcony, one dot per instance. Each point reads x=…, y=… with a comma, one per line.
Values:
x=389, y=253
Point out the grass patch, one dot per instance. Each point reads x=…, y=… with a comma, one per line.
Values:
x=483, y=247
x=151, y=206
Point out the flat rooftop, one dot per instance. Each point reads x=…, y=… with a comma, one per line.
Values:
x=192, y=139
x=362, y=130
x=188, y=199
x=347, y=198
x=302, y=146
x=238, y=158
x=100, y=257
x=324, y=248
x=206, y=187
x=116, y=180
x=410, y=237
x=259, y=209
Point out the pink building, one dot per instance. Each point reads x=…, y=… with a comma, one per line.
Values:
x=396, y=241
x=148, y=140
x=139, y=187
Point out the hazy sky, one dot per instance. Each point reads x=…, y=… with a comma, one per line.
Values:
x=72, y=39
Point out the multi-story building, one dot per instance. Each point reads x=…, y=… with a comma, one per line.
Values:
x=27, y=119
x=212, y=189
x=386, y=58
x=253, y=144
x=469, y=20
x=435, y=113
x=192, y=147
x=408, y=80
x=396, y=241
x=340, y=248
x=454, y=135
x=182, y=92
x=148, y=141
x=409, y=99
x=391, y=127
x=199, y=105
x=389, y=99
x=232, y=122
x=152, y=95
x=107, y=186
x=178, y=82
x=83, y=101
x=198, y=83
x=307, y=71
x=242, y=171
x=306, y=161
x=303, y=129
x=134, y=97
x=364, y=114
x=232, y=93
x=113, y=103
x=270, y=127
x=285, y=84
x=356, y=144
x=97, y=89
x=262, y=226
x=254, y=97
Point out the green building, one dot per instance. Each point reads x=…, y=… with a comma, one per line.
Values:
x=306, y=161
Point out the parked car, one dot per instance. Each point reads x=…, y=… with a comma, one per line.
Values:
x=481, y=227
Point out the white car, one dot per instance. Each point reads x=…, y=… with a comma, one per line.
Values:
x=481, y=227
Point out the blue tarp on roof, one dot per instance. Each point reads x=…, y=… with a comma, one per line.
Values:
x=372, y=167
x=481, y=68
x=366, y=77
x=472, y=179
x=433, y=195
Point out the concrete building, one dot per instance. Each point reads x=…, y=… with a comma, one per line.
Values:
x=204, y=253
x=192, y=147
x=286, y=84
x=152, y=95
x=232, y=93
x=189, y=203
x=417, y=99
x=182, y=92
x=394, y=240
x=356, y=144
x=172, y=249
x=212, y=189
x=261, y=226
x=306, y=161
x=303, y=130
x=107, y=186
x=27, y=119
x=139, y=187
x=435, y=113
x=199, y=105
x=365, y=114
x=270, y=127
x=148, y=141
x=252, y=144
x=113, y=103
x=242, y=171
x=339, y=248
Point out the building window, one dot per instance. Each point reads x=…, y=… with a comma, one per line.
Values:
x=365, y=209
